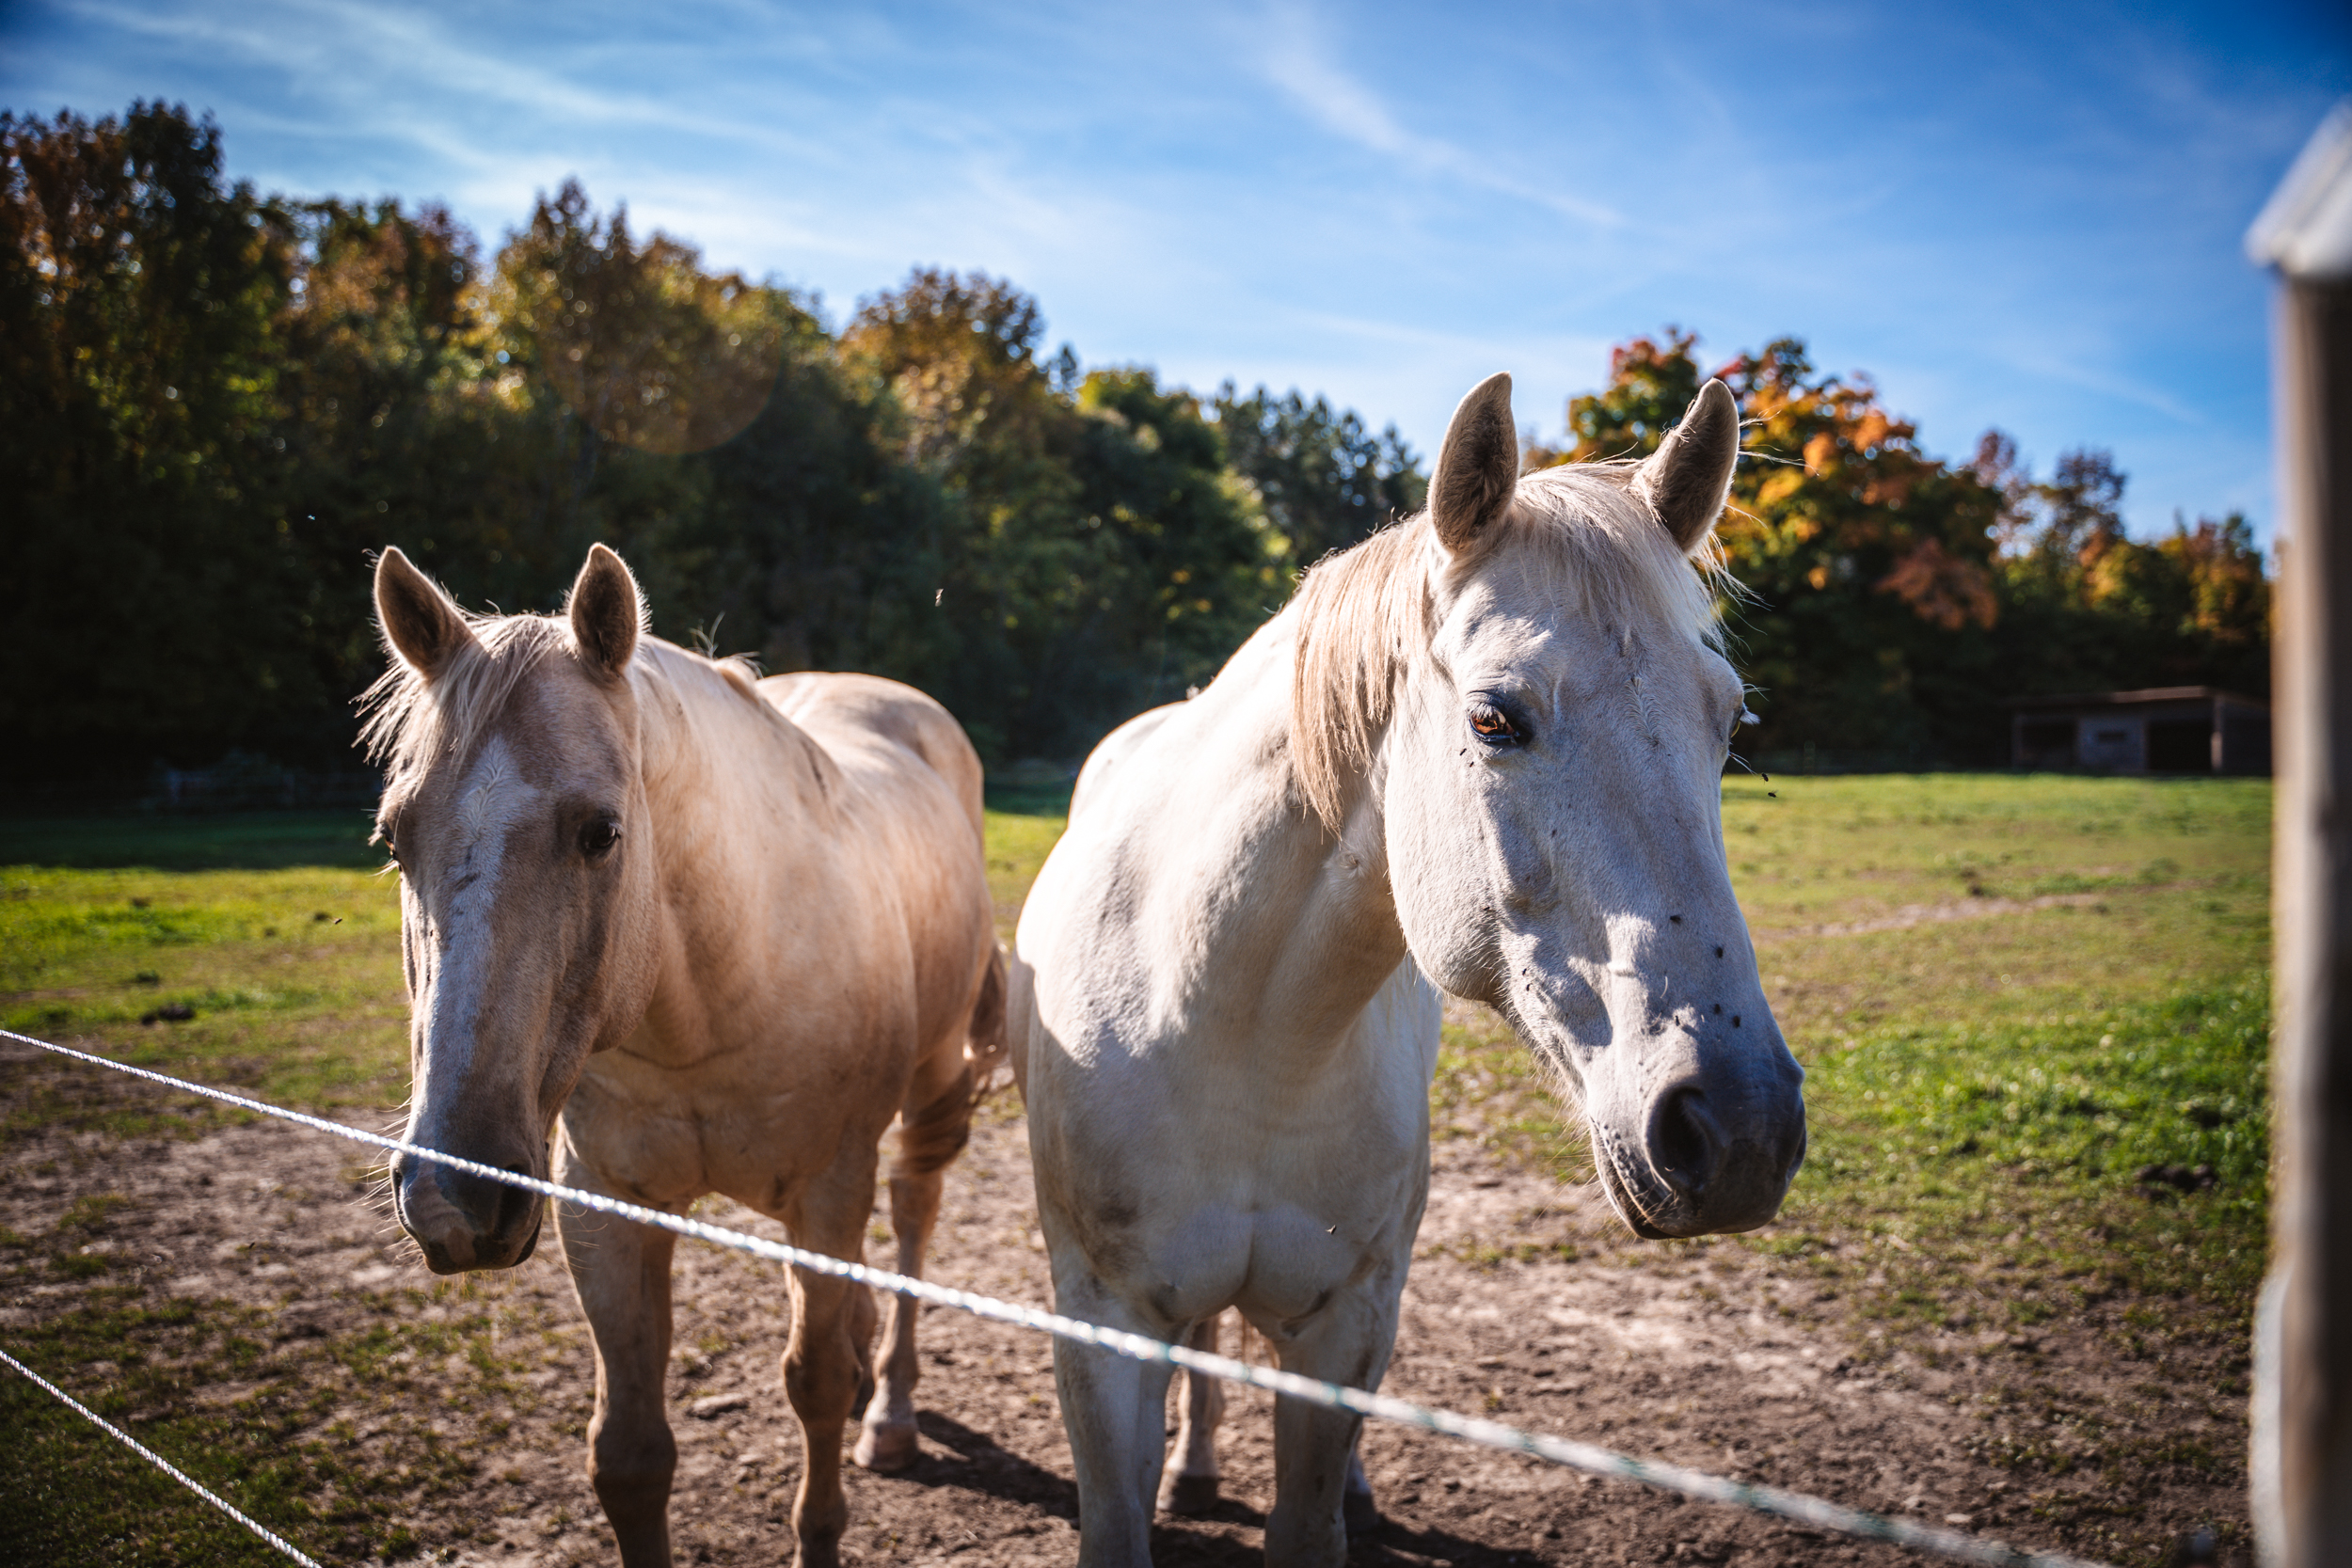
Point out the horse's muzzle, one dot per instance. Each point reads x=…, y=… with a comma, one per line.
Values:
x=1691, y=1175
x=465, y=1222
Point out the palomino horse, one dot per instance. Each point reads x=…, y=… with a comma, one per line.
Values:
x=712, y=936
x=1481, y=748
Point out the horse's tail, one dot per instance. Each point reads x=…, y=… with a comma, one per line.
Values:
x=936, y=1120
x=987, y=1042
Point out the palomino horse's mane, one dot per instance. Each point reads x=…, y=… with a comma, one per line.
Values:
x=411, y=720
x=1577, y=538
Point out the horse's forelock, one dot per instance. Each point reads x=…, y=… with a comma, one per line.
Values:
x=411, y=721
x=1579, y=537
x=1598, y=546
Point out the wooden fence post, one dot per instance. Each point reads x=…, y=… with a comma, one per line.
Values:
x=2302, y=1459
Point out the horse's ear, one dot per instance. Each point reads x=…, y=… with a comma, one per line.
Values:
x=420, y=622
x=607, y=614
x=1687, y=478
x=1478, y=466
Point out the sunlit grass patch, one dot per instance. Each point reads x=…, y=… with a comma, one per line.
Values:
x=1018, y=843
x=2015, y=1173
x=1805, y=850
x=1989, y=1078
x=282, y=983
x=1490, y=1088
x=1992, y=1177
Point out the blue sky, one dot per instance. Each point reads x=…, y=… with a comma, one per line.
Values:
x=2029, y=216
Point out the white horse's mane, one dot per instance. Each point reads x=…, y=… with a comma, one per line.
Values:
x=1577, y=538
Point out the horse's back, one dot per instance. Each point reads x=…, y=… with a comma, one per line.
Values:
x=829, y=705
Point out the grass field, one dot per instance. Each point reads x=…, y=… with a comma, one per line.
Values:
x=2012, y=996
x=2034, y=1012
x=278, y=935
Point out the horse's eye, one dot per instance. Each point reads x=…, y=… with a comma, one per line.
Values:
x=1493, y=725
x=1743, y=720
x=597, y=838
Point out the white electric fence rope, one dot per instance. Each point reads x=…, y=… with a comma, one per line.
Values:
x=165, y=1466
x=1813, y=1513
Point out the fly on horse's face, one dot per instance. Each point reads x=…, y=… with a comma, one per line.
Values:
x=1555, y=826
x=526, y=900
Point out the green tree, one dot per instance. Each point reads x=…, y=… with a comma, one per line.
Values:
x=154, y=600
x=809, y=541
x=1323, y=481
x=643, y=346
x=1163, y=571
x=1094, y=559
x=388, y=434
x=216, y=405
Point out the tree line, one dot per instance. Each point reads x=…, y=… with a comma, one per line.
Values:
x=215, y=404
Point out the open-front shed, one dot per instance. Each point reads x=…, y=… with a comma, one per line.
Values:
x=2166, y=729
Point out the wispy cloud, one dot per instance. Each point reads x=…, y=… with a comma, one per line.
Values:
x=412, y=75
x=1296, y=55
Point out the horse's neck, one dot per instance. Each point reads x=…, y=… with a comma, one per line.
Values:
x=737, y=791
x=1302, y=928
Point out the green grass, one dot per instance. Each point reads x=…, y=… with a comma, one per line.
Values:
x=290, y=971
x=2166, y=887
x=2011, y=1174
x=1984, y=1092
x=1017, y=846
x=284, y=982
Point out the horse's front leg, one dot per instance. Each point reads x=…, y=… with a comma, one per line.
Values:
x=1115, y=1410
x=1315, y=1469
x=825, y=1361
x=1189, y=1485
x=621, y=1273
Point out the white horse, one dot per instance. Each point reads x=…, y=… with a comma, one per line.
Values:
x=1481, y=748
x=715, y=935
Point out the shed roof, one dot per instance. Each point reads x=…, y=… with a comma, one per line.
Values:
x=2133, y=698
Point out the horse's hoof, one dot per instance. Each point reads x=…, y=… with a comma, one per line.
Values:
x=1360, y=1513
x=887, y=1449
x=1187, y=1496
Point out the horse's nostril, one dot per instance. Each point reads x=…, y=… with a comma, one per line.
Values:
x=1681, y=1142
x=515, y=1204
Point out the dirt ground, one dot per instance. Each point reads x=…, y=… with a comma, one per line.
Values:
x=1528, y=1304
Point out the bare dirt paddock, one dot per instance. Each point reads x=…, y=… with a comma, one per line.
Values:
x=462, y=1404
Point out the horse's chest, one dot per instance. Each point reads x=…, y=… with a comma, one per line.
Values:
x=672, y=1136
x=1275, y=1225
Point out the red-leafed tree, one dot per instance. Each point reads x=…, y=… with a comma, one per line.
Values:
x=1893, y=598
